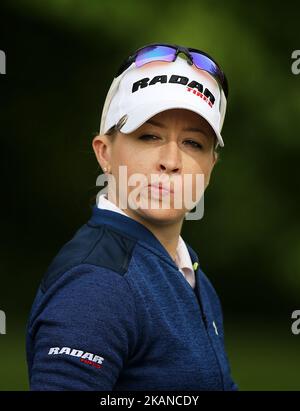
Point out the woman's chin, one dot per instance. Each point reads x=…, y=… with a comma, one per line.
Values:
x=162, y=216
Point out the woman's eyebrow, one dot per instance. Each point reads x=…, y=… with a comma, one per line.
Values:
x=194, y=129
x=155, y=123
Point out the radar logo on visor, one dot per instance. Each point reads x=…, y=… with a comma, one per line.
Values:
x=194, y=86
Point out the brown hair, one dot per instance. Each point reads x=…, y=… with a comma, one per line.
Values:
x=112, y=132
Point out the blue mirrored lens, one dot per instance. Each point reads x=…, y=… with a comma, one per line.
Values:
x=154, y=53
x=205, y=63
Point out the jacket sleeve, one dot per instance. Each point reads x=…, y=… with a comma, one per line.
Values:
x=81, y=331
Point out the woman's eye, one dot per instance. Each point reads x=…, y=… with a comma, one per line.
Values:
x=147, y=137
x=194, y=144
x=151, y=137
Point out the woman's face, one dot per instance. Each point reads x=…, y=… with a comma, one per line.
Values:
x=172, y=144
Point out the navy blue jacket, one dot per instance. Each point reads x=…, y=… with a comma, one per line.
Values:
x=113, y=312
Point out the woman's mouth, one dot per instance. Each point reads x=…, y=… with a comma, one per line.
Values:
x=160, y=189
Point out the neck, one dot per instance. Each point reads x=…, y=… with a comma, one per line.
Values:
x=167, y=234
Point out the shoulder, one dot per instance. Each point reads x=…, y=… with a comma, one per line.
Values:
x=101, y=246
x=84, y=298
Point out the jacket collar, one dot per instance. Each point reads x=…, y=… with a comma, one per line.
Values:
x=133, y=229
x=128, y=226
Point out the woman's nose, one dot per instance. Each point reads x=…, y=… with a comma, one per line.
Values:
x=170, y=158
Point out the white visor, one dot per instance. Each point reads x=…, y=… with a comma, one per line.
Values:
x=140, y=93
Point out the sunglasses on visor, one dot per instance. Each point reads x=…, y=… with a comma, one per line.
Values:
x=169, y=53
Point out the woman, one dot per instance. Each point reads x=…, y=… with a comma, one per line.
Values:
x=124, y=305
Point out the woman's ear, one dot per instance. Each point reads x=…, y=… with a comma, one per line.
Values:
x=215, y=160
x=216, y=157
x=102, y=149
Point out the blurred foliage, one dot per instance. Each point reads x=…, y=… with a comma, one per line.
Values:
x=61, y=58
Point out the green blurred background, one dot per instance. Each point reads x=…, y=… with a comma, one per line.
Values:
x=61, y=58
